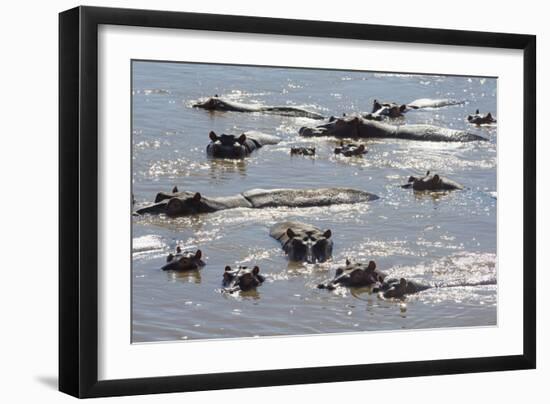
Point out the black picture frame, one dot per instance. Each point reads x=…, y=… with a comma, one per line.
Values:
x=78, y=196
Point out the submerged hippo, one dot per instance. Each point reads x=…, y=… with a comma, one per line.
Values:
x=219, y=104
x=350, y=149
x=431, y=183
x=398, y=289
x=189, y=203
x=186, y=261
x=355, y=275
x=237, y=147
x=358, y=127
x=303, y=242
x=302, y=151
x=479, y=119
x=241, y=278
x=433, y=103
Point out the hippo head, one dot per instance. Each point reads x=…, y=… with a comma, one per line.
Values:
x=211, y=103
x=347, y=126
x=186, y=206
x=309, y=246
x=355, y=275
x=241, y=278
x=186, y=261
x=227, y=146
x=396, y=290
x=426, y=183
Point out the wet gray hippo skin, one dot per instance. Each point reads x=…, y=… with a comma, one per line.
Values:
x=190, y=203
x=431, y=183
x=355, y=275
x=218, y=104
x=303, y=242
x=350, y=149
x=398, y=289
x=241, y=278
x=433, y=103
x=186, y=261
x=237, y=147
x=479, y=119
x=358, y=127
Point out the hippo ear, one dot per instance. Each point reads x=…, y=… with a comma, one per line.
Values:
x=348, y=262
x=427, y=173
x=327, y=234
x=402, y=108
x=344, y=114
x=216, y=95
x=489, y=115
x=227, y=268
x=331, y=119
x=242, y=139
x=256, y=270
x=371, y=266
x=412, y=179
x=290, y=233
x=477, y=111
x=170, y=257
x=175, y=189
x=198, y=254
x=178, y=250
x=197, y=197
x=212, y=135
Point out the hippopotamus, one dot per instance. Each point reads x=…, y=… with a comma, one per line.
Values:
x=355, y=275
x=303, y=242
x=187, y=261
x=398, y=289
x=218, y=104
x=350, y=149
x=431, y=183
x=190, y=203
x=241, y=278
x=302, y=151
x=358, y=127
x=479, y=119
x=237, y=147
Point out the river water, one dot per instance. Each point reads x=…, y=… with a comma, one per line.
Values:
x=445, y=240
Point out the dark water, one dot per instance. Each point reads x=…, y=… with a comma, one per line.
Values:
x=448, y=240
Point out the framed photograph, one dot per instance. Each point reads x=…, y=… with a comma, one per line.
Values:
x=252, y=202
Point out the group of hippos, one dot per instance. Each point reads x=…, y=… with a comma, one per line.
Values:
x=303, y=242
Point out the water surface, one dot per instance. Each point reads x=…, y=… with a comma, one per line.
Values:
x=447, y=240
